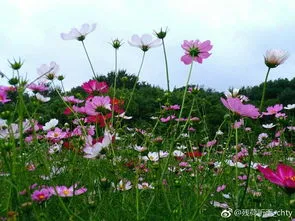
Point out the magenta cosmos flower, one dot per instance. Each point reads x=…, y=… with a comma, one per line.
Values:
x=41, y=195
x=284, y=176
x=236, y=106
x=38, y=87
x=3, y=97
x=195, y=51
x=95, y=87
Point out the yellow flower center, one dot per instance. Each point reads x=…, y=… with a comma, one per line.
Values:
x=66, y=192
x=41, y=196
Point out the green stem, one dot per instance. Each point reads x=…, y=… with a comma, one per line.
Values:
x=264, y=88
x=89, y=59
x=236, y=168
x=115, y=83
x=137, y=78
x=166, y=64
x=184, y=93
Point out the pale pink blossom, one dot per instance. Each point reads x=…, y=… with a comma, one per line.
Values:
x=78, y=34
x=195, y=51
x=145, y=42
x=275, y=57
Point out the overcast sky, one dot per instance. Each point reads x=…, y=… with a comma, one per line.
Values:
x=240, y=31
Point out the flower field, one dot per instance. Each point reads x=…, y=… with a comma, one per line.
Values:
x=91, y=163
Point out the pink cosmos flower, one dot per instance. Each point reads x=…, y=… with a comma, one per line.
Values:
x=94, y=87
x=272, y=110
x=220, y=188
x=164, y=120
x=284, y=176
x=195, y=51
x=145, y=42
x=41, y=195
x=211, y=143
x=64, y=191
x=78, y=34
x=57, y=134
x=236, y=106
x=3, y=97
x=95, y=105
x=37, y=87
x=72, y=100
x=172, y=107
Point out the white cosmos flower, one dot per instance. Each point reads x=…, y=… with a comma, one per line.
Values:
x=45, y=69
x=268, y=126
x=50, y=124
x=153, y=156
x=78, y=34
x=93, y=151
x=145, y=42
x=178, y=153
x=42, y=98
x=290, y=107
x=124, y=117
x=124, y=185
x=275, y=57
x=234, y=93
x=232, y=164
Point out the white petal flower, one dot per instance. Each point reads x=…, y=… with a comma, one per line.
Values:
x=42, y=98
x=145, y=42
x=290, y=107
x=124, y=117
x=78, y=34
x=50, y=124
x=45, y=69
x=275, y=57
x=268, y=126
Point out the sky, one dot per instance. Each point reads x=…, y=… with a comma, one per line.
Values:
x=240, y=32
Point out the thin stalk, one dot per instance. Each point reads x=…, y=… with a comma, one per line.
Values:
x=166, y=64
x=137, y=78
x=236, y=168
x=264, y=88
x=115, y=83
x=88, y=59
x=185, y=92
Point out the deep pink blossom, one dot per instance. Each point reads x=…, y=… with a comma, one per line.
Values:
x=95, y=87
x=284, y=176
x=236, y=106
x=172, y=107
x=195, y=51
x=41, y=195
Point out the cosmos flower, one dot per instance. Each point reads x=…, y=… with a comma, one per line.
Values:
x=195, y=51
x=50, y=124
x=236, y=106
x=41, y=98
x=275, y=57
x=37, y=87
x=72, y=99
x=41, y=195
x=78, y=34
x=94, y=87
x=50, y=71
x=145, y=42
x=124, y=185
x=3, y=97
x=290, y=107
x=64, y=191
x=97, y=104
x=272, y=110
x=284, y=176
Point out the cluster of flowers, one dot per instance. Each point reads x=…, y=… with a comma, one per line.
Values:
x=44, y=193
